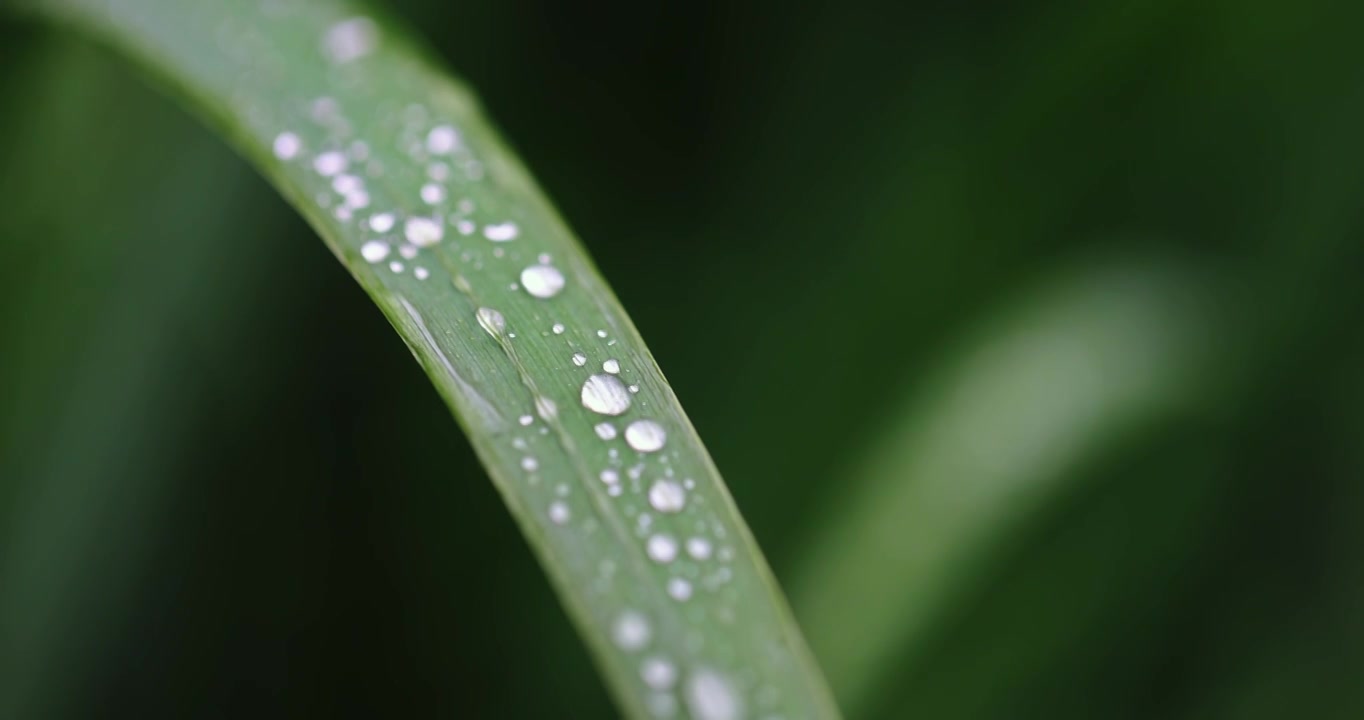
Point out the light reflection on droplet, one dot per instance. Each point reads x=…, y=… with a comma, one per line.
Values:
x=542, y=281
x=631, y=631
x=374, y=251
x=492, y=321
x=605, y=395
x=645, y=435
x=667, y=496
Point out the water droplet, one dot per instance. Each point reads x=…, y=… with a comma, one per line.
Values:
x=423, y=232
x=525, y=419
x=530, y=464
x=395, y=266
x=558, y=512
x=605, y=395
x=605, y=431
x=287, y=145
x=351, y=39
x=421, y=273
x=611, y=366
x=667, y=496
x=545, y=408
x=631, y=631
x=610, y=477
x=408, y=251
x=645, y=435
x=558, y=329
x=442, y=140
x=465, y=227
x=662, y=548
x=679, y=589
x=634, y=389
x=699, y=548
x=492, y=321
x=329, y=163
x=542, y=281
x=658, y=673
x=381, y=223
x=601, y=333
x=374, y=251
x=579, y=359
x=501, y=232
x=709, y=696
x=433, y=194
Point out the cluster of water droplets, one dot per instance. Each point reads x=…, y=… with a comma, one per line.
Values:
x=436, y=231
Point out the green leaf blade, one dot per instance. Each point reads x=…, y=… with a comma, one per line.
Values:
x=394, y=166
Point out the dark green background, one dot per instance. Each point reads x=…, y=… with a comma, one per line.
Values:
x=804, y=206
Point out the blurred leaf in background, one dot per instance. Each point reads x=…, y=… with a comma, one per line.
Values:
x=813, y=213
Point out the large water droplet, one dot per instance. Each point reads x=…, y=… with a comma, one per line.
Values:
x=542, y=281
x=631, y=631
x=667, y=496
x=492, y=321
x=709, y=696
x=579, y=359
x=605, y=395
x=645, y=435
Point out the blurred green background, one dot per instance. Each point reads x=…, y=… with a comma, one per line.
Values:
x=1027, y=336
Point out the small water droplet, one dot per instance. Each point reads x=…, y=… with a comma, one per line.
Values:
x=442, y=140
x=631, y=631
x=381, y=223
x=605, y=395
x=679, y=589
x=601, y=333
x=634, y=389
x=658, y=673
x=699, y=548
x=558, y=512
x=530, y=464
x=465, y=227
x=605, y=431
x=395, y=266
x=492, y=321
x=433, y=194
x=351, y=39
x=329, y=163
x=610, y=477
x=667, y=496
x=579, y=359
x=611, y=366
x=525, y=419
x=421, y=273
x=374, y=251
x=501, y=232
x=645, y=436
x=423, y=232
x=408, y=251
x=709, y=696
x=662, y=548
x=542, y=281
x=287, y=145
x=558, y=329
